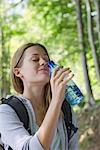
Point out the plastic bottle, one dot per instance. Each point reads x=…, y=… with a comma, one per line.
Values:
x=72, y=93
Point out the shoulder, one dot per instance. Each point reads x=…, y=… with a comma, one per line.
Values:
x=5, y=108
x=7, y=112
x=8, y=117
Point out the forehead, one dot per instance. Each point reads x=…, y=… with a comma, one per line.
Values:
x=35, y=50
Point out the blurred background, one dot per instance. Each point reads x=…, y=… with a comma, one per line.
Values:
x=70, y=30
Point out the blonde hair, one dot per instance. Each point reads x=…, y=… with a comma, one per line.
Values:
x=17, y=62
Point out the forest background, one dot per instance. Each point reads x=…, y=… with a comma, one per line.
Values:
x=70, y=30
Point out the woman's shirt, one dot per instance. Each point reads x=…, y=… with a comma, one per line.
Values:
x=14, y=134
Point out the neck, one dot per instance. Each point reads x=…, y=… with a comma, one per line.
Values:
x=36, y=96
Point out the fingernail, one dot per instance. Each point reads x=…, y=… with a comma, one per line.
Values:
x=61, y=66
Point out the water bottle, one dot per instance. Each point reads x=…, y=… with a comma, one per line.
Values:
x=72, y=93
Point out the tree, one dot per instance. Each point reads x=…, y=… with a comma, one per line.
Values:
x=83, y=52
x=5, y=55
x=91, y=39
x=97, y=3
x=8, y=29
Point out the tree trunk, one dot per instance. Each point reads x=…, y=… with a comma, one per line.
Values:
x=91, y=39
x=4, y=53
x=2, y=62
x=83, y=53
x=5, y=80
x=97, y=3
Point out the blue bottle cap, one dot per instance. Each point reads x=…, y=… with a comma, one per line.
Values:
x=51, y=64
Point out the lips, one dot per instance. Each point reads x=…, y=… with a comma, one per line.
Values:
x=44, y=69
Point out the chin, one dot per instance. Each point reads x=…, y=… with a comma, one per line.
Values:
x=45, y=79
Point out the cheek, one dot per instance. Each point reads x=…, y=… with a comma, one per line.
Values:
x=29, y=70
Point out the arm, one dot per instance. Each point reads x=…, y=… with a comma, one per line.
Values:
x=46, y=131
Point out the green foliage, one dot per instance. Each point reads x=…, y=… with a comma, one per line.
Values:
x=52, y=23
x=55, y=17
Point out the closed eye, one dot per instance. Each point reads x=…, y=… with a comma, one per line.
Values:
x=35, y=60
x=46, y=59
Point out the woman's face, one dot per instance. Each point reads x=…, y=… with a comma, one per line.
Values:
x=34, y=69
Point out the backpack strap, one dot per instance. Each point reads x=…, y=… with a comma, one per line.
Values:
x=66, y=109
x=19, y=108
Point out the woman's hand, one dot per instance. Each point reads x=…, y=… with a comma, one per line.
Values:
x=60, y=77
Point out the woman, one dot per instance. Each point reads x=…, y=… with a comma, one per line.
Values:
x=43, y=98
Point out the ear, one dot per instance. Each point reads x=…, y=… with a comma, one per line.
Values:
x=17, y=72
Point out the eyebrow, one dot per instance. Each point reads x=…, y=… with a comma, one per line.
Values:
x=35, y=54
x=38, y=54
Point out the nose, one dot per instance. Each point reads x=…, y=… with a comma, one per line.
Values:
x=43, y=61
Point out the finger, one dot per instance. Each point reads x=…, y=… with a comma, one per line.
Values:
x=64, y=76
x=66, y=80
x=55, y=70
x=61, y=71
